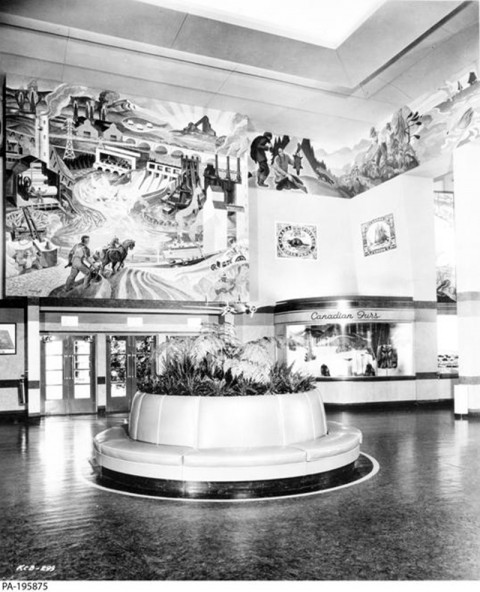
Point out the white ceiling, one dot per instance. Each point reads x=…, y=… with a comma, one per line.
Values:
x=405, y=49
x=320, y=22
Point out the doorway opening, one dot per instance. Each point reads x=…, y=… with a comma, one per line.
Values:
x=68, y=374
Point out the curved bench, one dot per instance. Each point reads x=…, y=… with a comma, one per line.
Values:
x=227, y=439
x=116, y=451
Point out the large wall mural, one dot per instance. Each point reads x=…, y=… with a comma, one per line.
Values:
x=443, y=121
x=109, y=196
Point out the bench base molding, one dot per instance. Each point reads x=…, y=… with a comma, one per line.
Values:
x=235, y=490
x=183, y=472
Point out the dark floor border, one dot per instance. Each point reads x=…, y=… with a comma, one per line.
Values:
x=236, y=490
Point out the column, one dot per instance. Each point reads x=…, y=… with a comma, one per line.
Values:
x=466, y=161
x=420, y=215
x=3, y=140
x=101, y=359
x=33, y=356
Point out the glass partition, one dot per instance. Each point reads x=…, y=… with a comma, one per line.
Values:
x=351, y=350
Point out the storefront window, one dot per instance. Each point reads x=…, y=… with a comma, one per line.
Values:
x=351, y=350
x=447, y=335
x=445, y=246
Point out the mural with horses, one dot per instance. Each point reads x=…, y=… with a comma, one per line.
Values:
x=117, y=197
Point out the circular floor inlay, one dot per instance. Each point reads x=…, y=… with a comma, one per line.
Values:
x=362, y=469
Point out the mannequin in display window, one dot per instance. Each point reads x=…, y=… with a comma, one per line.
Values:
x=387, y=356
x=324, y=371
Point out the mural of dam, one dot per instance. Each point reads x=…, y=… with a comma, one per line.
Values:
x=104, y=210
x=105, y=207
x=161, y=187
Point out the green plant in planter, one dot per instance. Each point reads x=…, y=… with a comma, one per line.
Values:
x=286, y=380
x=216, y=364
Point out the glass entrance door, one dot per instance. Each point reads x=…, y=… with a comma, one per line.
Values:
x=129, y=359
x=68, y=374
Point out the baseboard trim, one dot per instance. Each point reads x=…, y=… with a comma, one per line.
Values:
x=389, y=405
x=12, y=416
x=34, y=418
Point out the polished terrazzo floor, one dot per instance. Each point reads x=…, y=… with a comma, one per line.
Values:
x=418, y=518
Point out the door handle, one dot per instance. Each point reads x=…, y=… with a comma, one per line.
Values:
x=131, y=372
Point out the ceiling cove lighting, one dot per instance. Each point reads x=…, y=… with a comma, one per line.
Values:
x=320, y=22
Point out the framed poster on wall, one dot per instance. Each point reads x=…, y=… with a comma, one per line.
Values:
x=8, y=338
x=378, y=235
x=296, y=241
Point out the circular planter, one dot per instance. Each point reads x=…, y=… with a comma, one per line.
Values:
x=226, y=446
x=227, y=422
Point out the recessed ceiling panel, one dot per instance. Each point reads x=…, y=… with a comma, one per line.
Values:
x=320, y=22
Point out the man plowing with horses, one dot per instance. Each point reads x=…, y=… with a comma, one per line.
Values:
x=115, y=253
x=80, y=260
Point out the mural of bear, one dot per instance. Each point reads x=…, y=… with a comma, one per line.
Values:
x=409, y=138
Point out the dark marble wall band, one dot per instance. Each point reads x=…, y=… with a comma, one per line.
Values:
x=362, y=302
x=430, y=304
x=17, y=302
x=365, y=378
x=9, y=383
x=298, y=304
x=149, y=305
x=417, y=376
x=426, y=375
x=447, y=308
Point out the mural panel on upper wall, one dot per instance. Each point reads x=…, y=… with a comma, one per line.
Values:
x=117, y=197
x=447, y=119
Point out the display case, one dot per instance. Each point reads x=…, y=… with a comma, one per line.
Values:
x=447, y=339
x=357, y=338
x=341, y=350
x=370, y=349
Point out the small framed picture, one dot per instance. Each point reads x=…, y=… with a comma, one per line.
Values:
x=8, y=338
x=379, y=235
x=296, y=241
